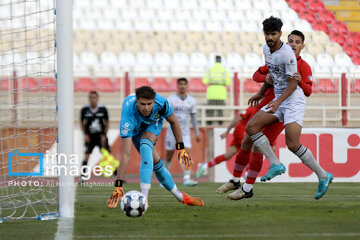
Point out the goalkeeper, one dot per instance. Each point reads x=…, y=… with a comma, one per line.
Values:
x=142, y=117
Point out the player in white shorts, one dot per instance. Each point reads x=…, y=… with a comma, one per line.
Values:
x=185, y=111
x=288, y=106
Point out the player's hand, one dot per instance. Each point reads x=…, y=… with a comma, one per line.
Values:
x=269, y=79
x=297, y=77
x=224, y=135
x=273, y=106
x=117, y=194
x=87, y=138
x=198, y=139
x=254, y=100
x=184, y=157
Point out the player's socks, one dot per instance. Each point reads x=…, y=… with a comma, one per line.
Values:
x=262, y=143
x=254, y=167
x=217, y=160
x=242, y=159
x=247, y=187
x=146, y=165
x=308, y=159
x=163, y=175
x=145, y=188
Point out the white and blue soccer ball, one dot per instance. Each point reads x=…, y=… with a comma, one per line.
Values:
x=134, y=204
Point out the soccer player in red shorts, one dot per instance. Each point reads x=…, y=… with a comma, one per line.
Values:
x=247, y=153
x=239, y=131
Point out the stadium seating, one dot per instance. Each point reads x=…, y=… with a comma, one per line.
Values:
x=141, y=82
x=29, y=83
x=357, y=85
x=5, y=84
x=326, y=86
x=48, y=84
x=160, y=85
x=196, y=85
x=84, y=84
x=104, y=84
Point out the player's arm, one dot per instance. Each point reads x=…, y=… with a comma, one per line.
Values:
x=195, y=125
x=124, y=162
x=83, y=125
x=306, y=80
x=291, y=87
x=106, y=121
x=254, y=100
x=231, y=126
x=260, y=74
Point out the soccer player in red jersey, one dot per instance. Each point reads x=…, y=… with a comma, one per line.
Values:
x=247, y=153
x=239, y=123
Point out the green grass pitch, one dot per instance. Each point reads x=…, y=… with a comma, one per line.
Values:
x=277, y=211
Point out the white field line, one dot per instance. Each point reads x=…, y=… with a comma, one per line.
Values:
x=222, y=195
x=221, y=236
x=65, y=229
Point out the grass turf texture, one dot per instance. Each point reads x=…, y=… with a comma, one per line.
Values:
x=277, y=211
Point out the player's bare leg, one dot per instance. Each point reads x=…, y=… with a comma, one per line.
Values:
x=292, y=135
x=253, y=128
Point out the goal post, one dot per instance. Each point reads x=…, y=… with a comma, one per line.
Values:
x=65, y=100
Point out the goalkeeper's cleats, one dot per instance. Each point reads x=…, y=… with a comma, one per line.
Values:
x=117, y=194
x=324, y=185
x=230, y=185
x=274, y=171
x=190, y=183
x=192, y=201
x=183, y=157
x=202, y=170
x=240, y=194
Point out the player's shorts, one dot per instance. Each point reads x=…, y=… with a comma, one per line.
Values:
x=154, y=127
x=273, y=131
x=239, y=133
x=170, y=141
x=292, y=109
x=95, y=140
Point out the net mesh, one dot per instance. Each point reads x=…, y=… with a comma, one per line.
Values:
x=28, y=122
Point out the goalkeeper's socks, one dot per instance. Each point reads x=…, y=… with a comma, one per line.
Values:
x=146, y=165
x=145, y=188
x=164, y=176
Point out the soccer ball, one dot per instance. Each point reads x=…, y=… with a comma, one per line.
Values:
x=134, y=204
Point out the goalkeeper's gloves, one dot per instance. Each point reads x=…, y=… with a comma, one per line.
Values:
x=183, y=156
x=117, y=194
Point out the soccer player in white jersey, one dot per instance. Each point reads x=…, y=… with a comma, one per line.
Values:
x=288, y=106
x=185, y=111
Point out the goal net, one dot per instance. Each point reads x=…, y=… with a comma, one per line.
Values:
x=28, y=115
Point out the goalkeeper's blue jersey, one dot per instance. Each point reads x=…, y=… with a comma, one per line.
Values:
x=133, y=123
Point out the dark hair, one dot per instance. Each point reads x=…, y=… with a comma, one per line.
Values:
x=218, y=59
x=93, y=92
x=272, y=24
x=145, y=92
x=298, y=33
x=182, y=79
